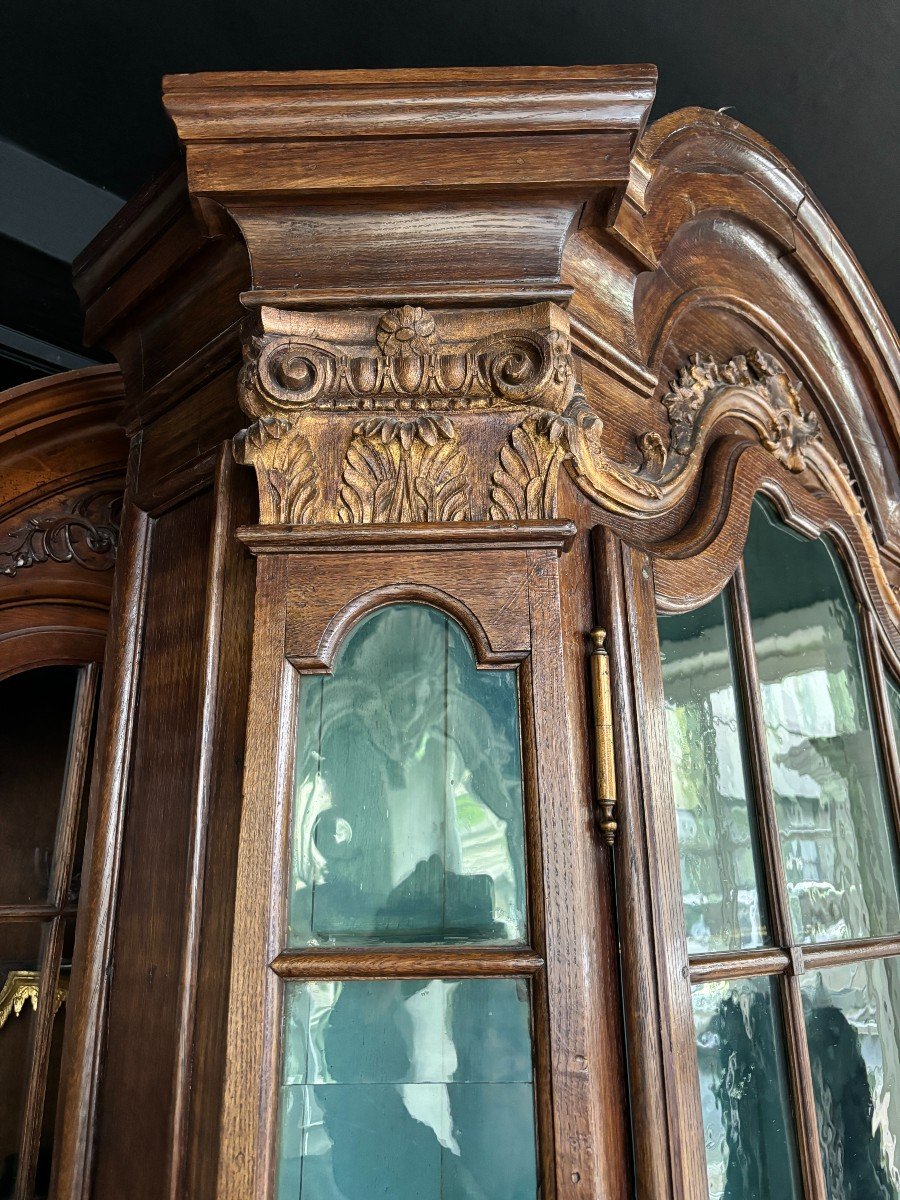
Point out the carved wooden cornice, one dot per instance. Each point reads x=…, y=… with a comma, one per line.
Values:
x=406, y=415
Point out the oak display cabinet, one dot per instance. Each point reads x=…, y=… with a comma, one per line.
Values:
x=495, y=791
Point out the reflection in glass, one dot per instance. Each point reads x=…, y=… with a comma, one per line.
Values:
x=412, y=1089
x=408, y=820
x=854, y=1047
x=723, y=905
x=826, y=775
x=893, y=692
x=750, y=1153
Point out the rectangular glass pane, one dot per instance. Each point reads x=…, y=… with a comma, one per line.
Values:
x=408, y=805
x=412, y=1089
x=750, y=1149
x=893, y=692
x=836, y=838
x=853, y=1028
x=34, y=746
x=723, y=903
x=20, y=953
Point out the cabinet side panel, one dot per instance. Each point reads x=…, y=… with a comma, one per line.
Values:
x=137, y=1088
x=233, y=621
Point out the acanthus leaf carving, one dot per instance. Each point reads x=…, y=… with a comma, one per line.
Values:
x=783, y=426
x=286, y=469
x=404, y=471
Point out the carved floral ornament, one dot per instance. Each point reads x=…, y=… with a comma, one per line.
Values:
x=409, y=416
x=84, y=531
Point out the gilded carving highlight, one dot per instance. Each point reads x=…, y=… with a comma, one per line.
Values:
x=438, y=394
x=20, y=987
x=404, y=471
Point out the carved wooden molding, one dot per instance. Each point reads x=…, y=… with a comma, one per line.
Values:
x=410, y=416
x=84, y=531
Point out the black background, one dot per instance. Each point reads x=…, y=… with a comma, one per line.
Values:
x=80, y=80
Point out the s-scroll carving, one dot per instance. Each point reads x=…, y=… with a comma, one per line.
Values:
x=84, y=531
x=752, y=390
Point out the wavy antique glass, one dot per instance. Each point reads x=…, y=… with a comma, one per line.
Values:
x=750, y=1151
x=408, y=808
x=853, y=1029
x=893, y=692
x=409, y=1089
x=717, y=837
x=836, y=839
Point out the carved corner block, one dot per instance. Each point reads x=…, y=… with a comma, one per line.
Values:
x=405, y=415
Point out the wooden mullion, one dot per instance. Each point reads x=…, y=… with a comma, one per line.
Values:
x=884, y=721
x=757, y=747
x=17, y=913
x=73, y=785
x=800, y=1071
x=737, y=964
x=423, y=962
x=30, y=1137
x=820, y=958
x=797, y=1050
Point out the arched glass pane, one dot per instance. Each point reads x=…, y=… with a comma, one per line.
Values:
x=853, y=1028
x=837, y=841
x=415, y=1089
x=408, y=805
x=723, y=902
